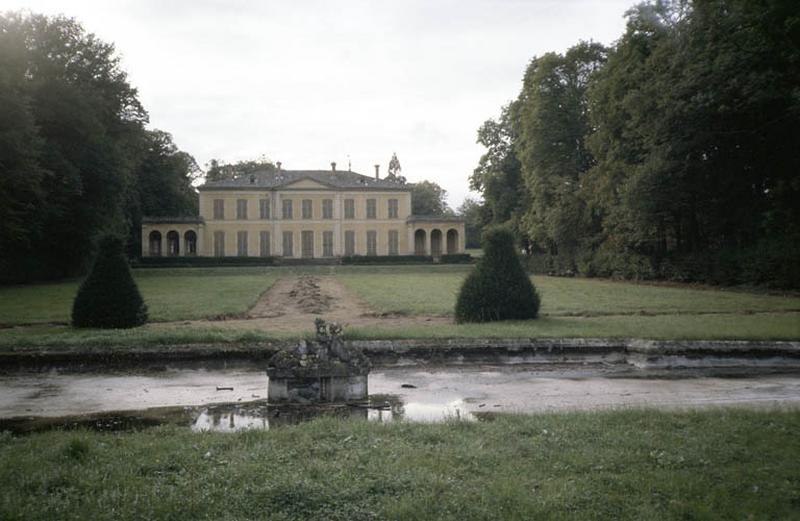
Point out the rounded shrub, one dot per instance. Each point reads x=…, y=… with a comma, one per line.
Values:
x=498, y=287
x=108, y=297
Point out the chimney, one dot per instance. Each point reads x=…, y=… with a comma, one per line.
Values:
x=377, y=169
x=333, y=166
x=279, y=165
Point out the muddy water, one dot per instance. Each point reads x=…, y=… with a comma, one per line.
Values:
x=233, y=397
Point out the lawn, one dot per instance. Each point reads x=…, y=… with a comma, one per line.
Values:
x=632, y=464
x=571, y=307
x=433, y=290
x=170, y=294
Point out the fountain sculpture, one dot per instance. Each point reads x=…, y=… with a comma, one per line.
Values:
x=324, y=370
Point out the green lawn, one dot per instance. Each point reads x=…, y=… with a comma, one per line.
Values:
x=633, y=464
x=170, y=294
x=433, y=290
x=571, y=307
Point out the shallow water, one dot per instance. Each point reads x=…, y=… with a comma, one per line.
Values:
x=232, y=397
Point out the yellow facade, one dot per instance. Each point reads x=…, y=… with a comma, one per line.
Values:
x=231, y=223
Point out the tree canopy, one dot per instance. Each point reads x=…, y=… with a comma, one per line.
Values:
x=428, y=198
x=671, y=154
x=75, y=156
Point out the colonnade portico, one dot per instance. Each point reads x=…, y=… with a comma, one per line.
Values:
x=436, y=235
x=172, y=237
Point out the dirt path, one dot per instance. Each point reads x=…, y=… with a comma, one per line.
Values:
x=292, y=304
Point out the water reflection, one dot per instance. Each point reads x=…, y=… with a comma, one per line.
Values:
x=384, y=409
x=234, y=417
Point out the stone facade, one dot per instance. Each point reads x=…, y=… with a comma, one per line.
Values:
x=303, y=214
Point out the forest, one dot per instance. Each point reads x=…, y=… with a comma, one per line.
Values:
x=76, y=157
x=672, y=154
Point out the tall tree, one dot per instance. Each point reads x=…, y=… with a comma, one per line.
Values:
x=553, y=124
x=87, y=119
x=428, y=198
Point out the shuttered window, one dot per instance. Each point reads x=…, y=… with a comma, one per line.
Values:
x=349, y=209
x=350, y=243
x=392, y=208
x=327, y=209
x=263, y=207
x=372, y=243
x=327, y=244
x=241, y=244
x=287, y=209
x=219, y=244
x=393, y=242
x=308, y=244
x=219, y=209
x=307, y=209
x=241, y=209
x=288, y=244
x=372, y=212
x=264, y=247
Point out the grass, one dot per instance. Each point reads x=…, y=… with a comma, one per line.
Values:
x=571, y=307
x=433, y=290
x=170, y=294
x=632, y=464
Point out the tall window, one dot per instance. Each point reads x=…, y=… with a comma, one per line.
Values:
x=307, y=247
x=264, y=248
x=393, y=242
x=288, y=244
x=241, y=244
x=350, y=243
x=241, y=209
x=372, y=243
x=349, y=209
x=392, y=208
x=327, y=244
x=327, y=209
x=371, y=209
x=263, y=208
x=219, y=244
x=219, y=209
x=307, y=214
x=287, y=209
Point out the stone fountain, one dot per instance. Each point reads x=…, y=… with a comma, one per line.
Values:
x=320, y=371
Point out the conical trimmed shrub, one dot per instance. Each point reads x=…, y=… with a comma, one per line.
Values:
x=108, y=297
x=498, y=288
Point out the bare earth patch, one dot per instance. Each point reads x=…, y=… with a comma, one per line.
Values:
x=292, y=304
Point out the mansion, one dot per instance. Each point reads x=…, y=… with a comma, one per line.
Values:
x=303, y=214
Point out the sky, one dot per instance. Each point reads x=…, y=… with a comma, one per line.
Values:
x=308, y=82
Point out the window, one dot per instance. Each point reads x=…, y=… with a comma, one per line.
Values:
x=241, y=244
x=327, y=209
x=241, y=209
x=288, y=244
x=372, y=243
x=392, y=208
x=219, y=244
x=371, y=209
x=349, y=209
x=327, y=244
x=307, y=238
x=287, y=208
x=307, y=214
x=350, y=243
x=264, y=248
x=393, y=242
x=263, y=208
x=219, y=209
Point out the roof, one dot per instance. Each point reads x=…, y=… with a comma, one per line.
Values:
x=435, y=219
x=182, y=219
x=271, y=179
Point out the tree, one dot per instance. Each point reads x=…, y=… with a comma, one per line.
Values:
x=428, y=198
x=474, y=214
x=553, y=124
x=108, y=297
x=78, y=120
x=219, y=170
x=498, y=287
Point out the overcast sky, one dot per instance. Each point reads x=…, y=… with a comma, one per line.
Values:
x=310, y=82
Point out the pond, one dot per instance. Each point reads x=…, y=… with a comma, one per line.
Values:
x=231, y=397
